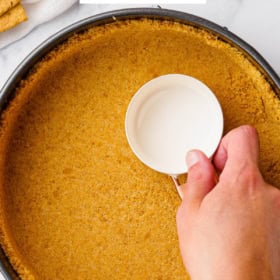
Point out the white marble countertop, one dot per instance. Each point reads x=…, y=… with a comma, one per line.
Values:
x=255, y=21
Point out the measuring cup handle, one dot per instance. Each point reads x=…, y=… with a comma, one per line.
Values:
x=177, y=185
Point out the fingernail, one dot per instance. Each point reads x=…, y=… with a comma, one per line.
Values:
x=192, y=158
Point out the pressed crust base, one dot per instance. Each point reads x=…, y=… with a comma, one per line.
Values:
x=75, y=202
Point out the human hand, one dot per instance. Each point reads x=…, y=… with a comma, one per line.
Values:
x=230, y=229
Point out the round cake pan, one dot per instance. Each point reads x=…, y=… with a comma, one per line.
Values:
x=222, y=33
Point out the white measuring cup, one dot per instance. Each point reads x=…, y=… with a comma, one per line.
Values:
x=169, y=116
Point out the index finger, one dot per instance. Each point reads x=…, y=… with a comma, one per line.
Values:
x=239, y=148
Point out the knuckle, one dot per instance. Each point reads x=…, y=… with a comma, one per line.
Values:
x=249, y=177
x=275, y=192
x=194, y=175
x=181, y=213
x=249, y=131
x=277, y=201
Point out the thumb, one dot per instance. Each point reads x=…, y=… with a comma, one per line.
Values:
x=201, y=177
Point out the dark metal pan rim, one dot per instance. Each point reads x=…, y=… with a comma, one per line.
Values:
x=133, y=13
